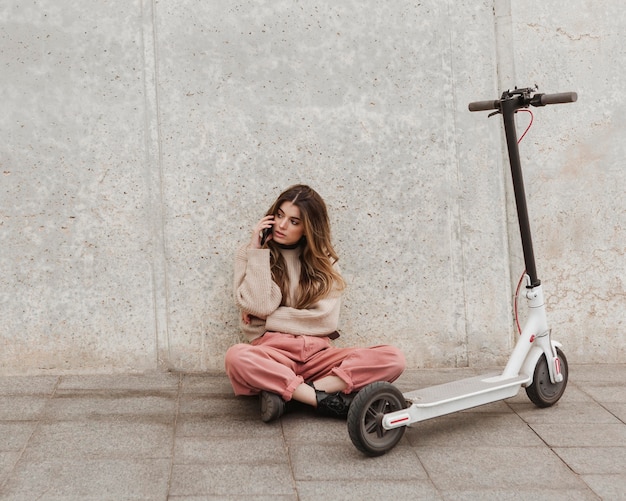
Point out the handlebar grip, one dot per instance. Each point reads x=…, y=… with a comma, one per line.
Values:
x=483, y=105
x=562, y=97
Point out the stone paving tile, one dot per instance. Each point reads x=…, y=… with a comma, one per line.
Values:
x=351, y=490
x=581, y=435
x=497, y=468
x=69, y=406
x=28, y=385
x=618, y=410
x=574, y=393
x=565, y=412
x=210, y=406
x=307, y=428
x=15, y=434
x=200, y=426
x=342, y=462
x=7, y=462
x=21, y=407
x=530, y=492
x=255, y=497
x=594, y=460
x=608, y=487
x=122, y=439
x=606, y=392
x=85, y=479
x=582, y=373
x=226, y=497
x=199, y=450
x=237, y=480
x=473, y=429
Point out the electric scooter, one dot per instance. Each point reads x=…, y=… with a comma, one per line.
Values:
x=380, y=413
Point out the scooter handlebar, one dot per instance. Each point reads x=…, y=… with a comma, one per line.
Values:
x=536, y=100
x=562, y=97
x=483, y=105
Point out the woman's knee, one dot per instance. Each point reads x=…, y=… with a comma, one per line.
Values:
x=234, y=356
x=400, y=360
x=394, y=360
x=399, y=357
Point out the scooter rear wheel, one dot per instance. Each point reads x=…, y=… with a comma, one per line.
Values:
x=542, y=391
x=366, y=414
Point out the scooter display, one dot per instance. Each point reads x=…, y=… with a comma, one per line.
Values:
x=380, y=412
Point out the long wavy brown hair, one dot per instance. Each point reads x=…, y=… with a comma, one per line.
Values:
x=318, y=277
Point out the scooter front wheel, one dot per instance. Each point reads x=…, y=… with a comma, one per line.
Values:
x=366, y=414
x=542, y=391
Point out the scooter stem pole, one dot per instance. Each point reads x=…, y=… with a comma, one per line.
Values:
x=508, y=108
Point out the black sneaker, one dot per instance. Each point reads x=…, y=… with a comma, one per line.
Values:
x=272, y=406
x=333, y=404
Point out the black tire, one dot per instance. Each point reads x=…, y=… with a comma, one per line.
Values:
x=543, y=392
x=366, y=414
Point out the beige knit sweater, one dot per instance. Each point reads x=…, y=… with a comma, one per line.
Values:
x=257, y=294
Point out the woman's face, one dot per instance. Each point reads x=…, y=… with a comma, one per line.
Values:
x=288, y=227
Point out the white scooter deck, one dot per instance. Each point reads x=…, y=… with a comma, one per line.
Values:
x=451, y=397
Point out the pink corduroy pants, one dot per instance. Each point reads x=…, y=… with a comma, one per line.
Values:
x=279, y=363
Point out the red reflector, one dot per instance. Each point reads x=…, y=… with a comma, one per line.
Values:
x=400, y=420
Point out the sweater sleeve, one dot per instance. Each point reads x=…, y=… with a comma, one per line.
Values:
x=319, y=320
x=255, y=291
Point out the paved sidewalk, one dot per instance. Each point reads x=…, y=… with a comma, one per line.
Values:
x=185, y=437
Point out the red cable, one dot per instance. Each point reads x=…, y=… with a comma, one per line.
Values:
x=519, y=284
x=532, y=117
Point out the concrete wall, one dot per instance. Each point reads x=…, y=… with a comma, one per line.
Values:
x=142, y=140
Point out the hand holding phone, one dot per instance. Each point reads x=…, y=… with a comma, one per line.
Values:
x=264, y=234
x=264, y=231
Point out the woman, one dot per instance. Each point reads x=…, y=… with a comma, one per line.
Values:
x=288, y=288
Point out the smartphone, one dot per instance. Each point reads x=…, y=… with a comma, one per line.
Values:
x=264, y=234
